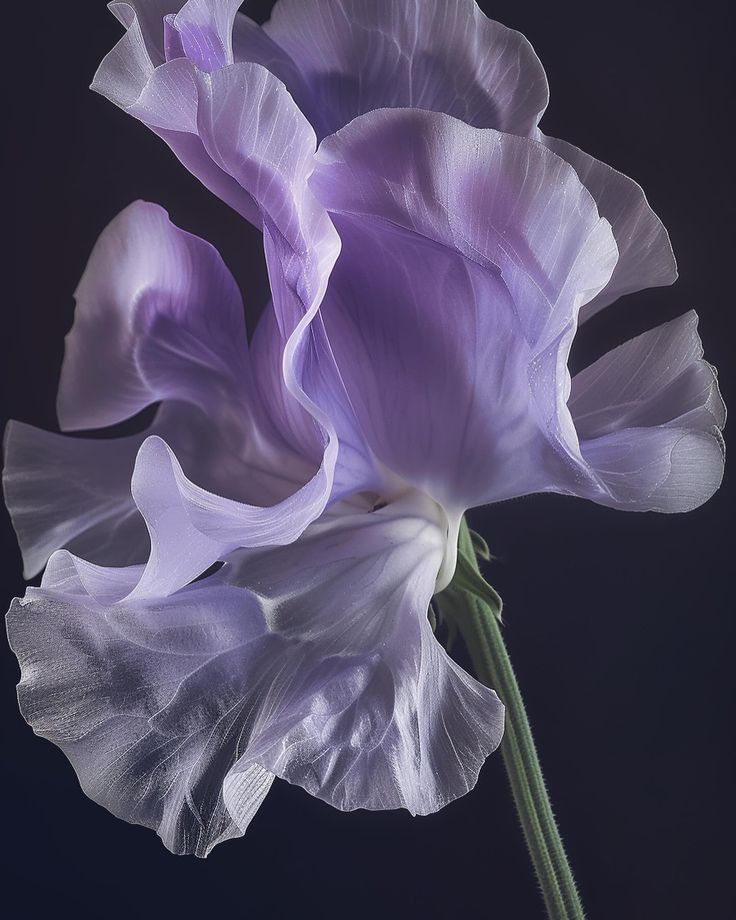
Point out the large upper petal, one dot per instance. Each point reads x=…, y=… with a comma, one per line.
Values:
x=649, y=416
x=342, y=58
x=466, y=257
x=176, y=714
x=443, y=55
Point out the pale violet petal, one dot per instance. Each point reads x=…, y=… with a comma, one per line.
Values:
x=177, y=712
x=71, y=492
x=443, y=55
x=151, y=704
x=645, y=253
x=205, y=32
x=456, y=239
x=158, y=317
x=649, y=415
x=393, y=722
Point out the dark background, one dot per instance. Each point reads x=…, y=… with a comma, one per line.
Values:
x=620, y=625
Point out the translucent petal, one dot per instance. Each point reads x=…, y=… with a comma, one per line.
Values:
x=394, y=722
x=443, y=55
x=149, y=703
x=158, y=317
x=645, y=254
x=176, y=713
x=649, y=416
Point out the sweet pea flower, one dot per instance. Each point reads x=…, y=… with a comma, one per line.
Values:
x=430, y=256
x=344, y=58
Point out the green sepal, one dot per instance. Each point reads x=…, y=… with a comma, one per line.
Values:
x=467, y=578
x=480, y=546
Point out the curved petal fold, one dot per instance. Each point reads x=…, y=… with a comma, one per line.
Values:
x=645, y=253
x=151, y=704
x=177, y=713
x=158, y=317
x=240, y=132
x=72, y=492
x=191, y=527
x=147, y=17
x=202, y=31
x=649, y=416
x=466, y=256
x=398, y=724
x=443, y=55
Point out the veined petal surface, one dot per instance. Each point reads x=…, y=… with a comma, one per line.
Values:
x=645, y=253
x=160, y=319
x=399, y=724
x=442, y=55
x=315, y=663
x=342, y=58
x=649, y=417
x=466, y=257
x=152, y=703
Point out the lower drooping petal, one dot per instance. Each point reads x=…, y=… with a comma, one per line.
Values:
x=176, y=713
x=649, y=415
x=151, y=704
x=399, y=724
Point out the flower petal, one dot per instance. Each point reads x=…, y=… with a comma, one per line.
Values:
x=71, y=492
x=240, y=132
x=204, y=32
x=177, y=713
x=357, y=468
x=443, y=55
x=645, y=253
x=147, y=16
x=392, y=722
x=191, y=527
x=649, y=415
x=151, y=704
x=158, y=317
x=466, y=256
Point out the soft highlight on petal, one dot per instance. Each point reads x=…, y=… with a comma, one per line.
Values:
x=466, y=257
x=396, y=723
x=158, y=317
x=176, y=713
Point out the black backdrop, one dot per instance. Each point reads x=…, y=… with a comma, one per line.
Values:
x=620, y=626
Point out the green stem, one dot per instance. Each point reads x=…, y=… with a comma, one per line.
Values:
x=481, y=632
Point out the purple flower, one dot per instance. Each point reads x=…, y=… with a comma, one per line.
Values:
x=429, y=263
